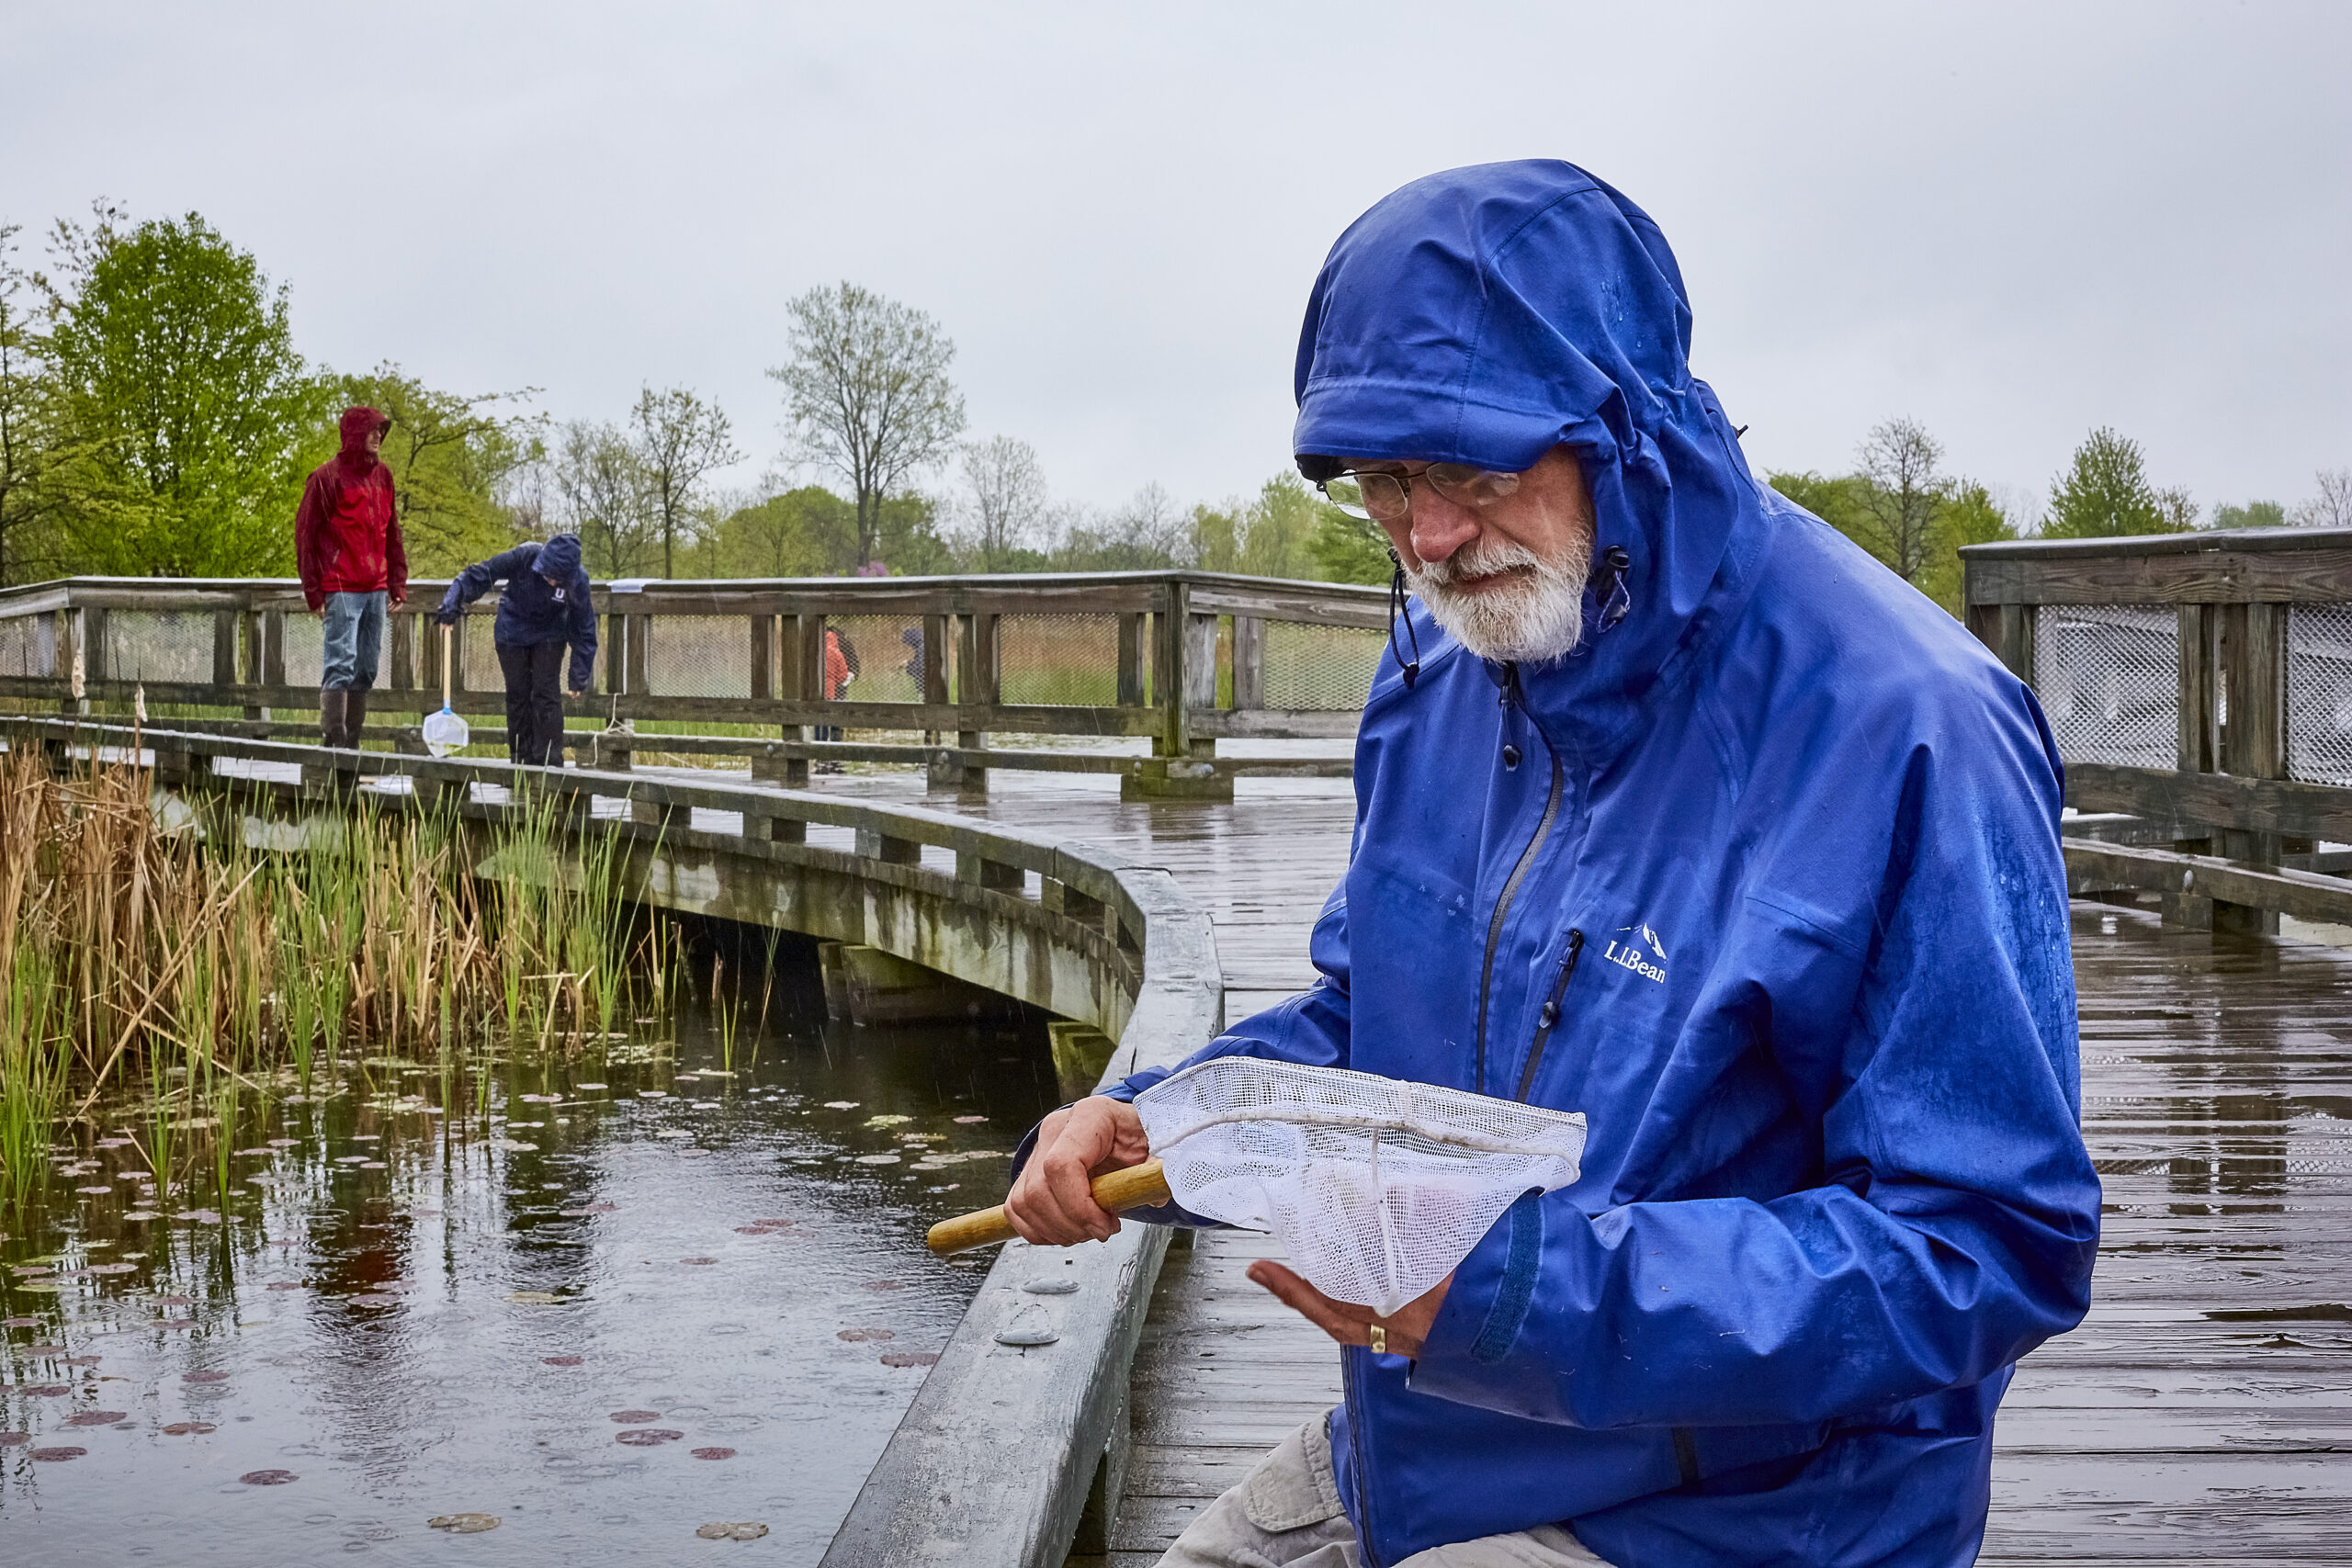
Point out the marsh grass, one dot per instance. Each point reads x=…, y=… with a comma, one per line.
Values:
x=202, y=971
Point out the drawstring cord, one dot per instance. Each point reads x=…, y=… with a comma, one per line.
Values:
x=1412, y=666
x=1609, y=587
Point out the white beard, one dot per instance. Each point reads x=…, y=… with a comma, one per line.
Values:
x=1534, y=617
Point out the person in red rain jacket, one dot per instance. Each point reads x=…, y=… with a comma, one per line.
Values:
x=347, y=547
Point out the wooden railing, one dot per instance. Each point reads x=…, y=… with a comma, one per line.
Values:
x=2199, y=686
x=1019, y=1431
x=1185, y=659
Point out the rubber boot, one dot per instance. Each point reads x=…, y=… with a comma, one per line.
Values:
x=332, y=705
x=354, y=717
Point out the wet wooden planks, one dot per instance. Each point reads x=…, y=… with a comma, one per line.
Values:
x=2201, y=1415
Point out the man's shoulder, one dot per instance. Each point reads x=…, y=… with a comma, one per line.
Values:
x=1840, y=622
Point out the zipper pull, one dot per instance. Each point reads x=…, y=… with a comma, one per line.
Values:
x=1547, y=1017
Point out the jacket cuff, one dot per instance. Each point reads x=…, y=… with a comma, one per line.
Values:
x=1477, y=1352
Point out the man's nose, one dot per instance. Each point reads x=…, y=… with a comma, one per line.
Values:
x=1440, y=527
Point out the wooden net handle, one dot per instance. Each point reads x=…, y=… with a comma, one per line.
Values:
x=1133, y=1187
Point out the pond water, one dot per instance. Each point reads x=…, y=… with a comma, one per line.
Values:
x=604, y=1299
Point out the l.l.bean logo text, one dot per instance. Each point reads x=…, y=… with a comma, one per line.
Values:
x=1636, y=947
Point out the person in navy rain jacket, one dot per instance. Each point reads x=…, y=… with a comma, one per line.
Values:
x=544, y=607
x=1676, y=808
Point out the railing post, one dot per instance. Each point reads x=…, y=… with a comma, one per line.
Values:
x=2254, y=738
x=976, y=690
x=791, y=678
x=254, y=630
x=1184, y=681
x=69, y=644
x=1131, y=648
x=2199, y=749
x=1248, y=663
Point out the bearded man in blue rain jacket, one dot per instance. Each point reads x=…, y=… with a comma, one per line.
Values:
x=1675, y=808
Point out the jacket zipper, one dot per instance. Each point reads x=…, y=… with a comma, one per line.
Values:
x=1518, y=875
x=1549, y=1017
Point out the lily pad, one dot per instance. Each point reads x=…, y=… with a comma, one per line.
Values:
x=56, y=1455
x=532, y=1298
x=268, y=1477
x=698, y=1262
x=647, y=1436
x=95, y=1417
x=636, y=1417
x=856, y=1335
x=48, y=1391
x=840, y=1105
x=910, y=1357
x=877, y=1159
x=463, y=1524
x=712, y=1453
x=744, y=1531
x=561, y=1360
x=967, y=1120
x=189, y=1428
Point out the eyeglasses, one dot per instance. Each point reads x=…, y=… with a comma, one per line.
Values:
x=1384, y=495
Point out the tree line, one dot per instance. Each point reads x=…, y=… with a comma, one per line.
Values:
x=1900, y=504
x=157, y=419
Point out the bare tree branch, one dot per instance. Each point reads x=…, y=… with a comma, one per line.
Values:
x=867, y=394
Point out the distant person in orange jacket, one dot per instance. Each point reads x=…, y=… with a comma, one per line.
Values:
x=347, y=547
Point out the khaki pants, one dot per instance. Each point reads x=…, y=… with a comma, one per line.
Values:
x=1286, y=1515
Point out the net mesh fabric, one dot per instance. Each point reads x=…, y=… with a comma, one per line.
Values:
x=1377, y=1188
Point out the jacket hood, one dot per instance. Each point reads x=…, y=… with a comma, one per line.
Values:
x=1488, y=314
x=356, y=424
x=560, y=557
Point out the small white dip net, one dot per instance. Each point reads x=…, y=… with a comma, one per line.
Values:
x=1377, y=1188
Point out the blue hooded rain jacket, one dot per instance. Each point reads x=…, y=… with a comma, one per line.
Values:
x=1764, y=879
x=532, y=610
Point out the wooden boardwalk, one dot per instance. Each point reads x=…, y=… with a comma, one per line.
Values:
x=2203, y=1415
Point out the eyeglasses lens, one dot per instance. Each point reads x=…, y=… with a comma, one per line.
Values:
x=1466, y=486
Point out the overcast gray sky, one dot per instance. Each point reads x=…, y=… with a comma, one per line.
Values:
x=2012, y=222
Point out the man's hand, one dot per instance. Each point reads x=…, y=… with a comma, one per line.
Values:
x=1403, y=1335
x=398, y=601
x=1053, y=1203
x=576, y=695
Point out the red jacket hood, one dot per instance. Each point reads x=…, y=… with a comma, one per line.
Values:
x=356, y=424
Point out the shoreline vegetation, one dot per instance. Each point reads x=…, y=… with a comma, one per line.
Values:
x=143, y=958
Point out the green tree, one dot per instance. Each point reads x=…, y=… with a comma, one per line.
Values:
x=867, y=393
x=808, y=532
x=2104, y=493
x=1279, y=529
x=34, y=449
x=2253, y=514
x=452, y=458
x=193, y=416
x=1970, y=516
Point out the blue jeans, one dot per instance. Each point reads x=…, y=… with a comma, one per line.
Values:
x=355, y=638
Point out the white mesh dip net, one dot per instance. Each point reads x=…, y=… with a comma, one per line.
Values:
x=1377, y=1187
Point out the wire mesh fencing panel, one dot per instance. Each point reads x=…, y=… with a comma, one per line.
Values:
x=883, y=656
x=29, y=647
x=1319, y=667
x=2109, y=679
x=478, y=654
x=306, y=648
x=160, y=646
x=2319, y=694
x=697, y=656
x=1058, y=660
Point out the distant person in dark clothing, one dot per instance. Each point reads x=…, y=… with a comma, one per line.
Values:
x=545, y=606
x=347, y=548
